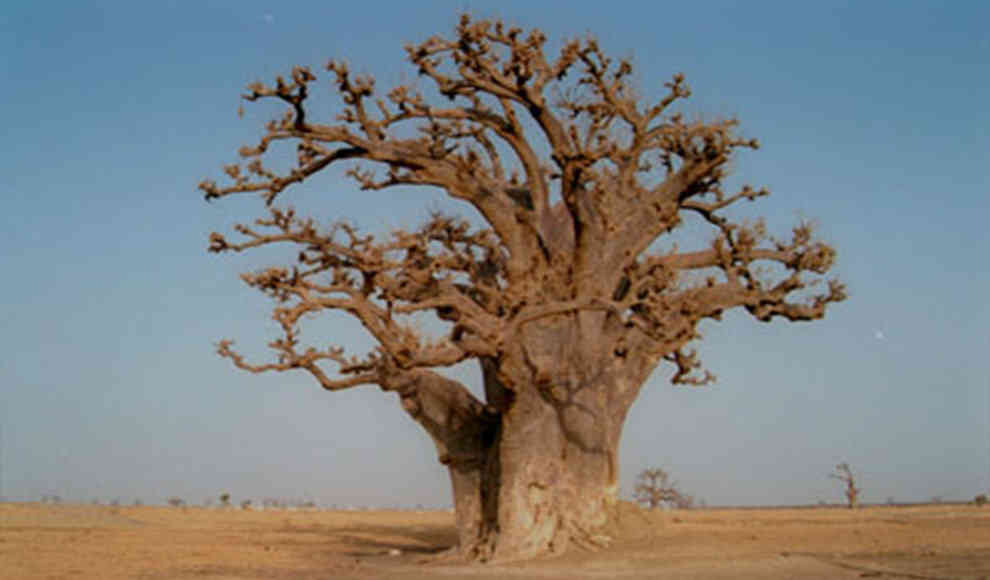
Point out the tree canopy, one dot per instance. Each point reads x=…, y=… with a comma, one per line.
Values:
x=626, y=174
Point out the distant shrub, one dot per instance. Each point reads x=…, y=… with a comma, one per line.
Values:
x=225, y=499
x=980, y=500
x=176, y=502
x=245, y=504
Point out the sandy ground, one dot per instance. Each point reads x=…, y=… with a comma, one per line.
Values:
x=157, y=543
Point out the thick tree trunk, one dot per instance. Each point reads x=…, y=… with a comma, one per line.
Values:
x=557, y=478
x=538, y=488
x=535, y=470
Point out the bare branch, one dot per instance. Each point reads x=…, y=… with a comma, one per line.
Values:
x=687, y=363
x=307, y=361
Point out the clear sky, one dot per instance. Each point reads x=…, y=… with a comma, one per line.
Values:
x=874, y=121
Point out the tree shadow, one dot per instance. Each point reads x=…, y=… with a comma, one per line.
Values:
x=377, y=540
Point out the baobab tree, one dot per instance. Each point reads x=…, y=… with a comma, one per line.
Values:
x=655, y=488
x=567, y=295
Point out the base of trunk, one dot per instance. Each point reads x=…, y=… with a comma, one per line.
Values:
x=535, y=472
x=542, y=489
x=625, y=523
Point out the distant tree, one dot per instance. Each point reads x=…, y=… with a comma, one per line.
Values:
x=844, y=474
x=176, y=502
x=225, y=499
x=245, y=504
x=980, y=500
x=654, y=488
x=571, y=293
x=684, y=501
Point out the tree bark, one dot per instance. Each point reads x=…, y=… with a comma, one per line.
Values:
x=535, y=470
x=462, y=429
x=557, y=477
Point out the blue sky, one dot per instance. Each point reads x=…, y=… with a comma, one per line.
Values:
x=874, y=123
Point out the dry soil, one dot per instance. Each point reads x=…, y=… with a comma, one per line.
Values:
x=156, y=543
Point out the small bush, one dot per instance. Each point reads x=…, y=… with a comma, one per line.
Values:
x=980, y=500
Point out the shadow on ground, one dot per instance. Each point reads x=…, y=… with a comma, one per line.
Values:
x=374, y=540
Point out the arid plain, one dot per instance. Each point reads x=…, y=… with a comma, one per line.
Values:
x=84, y=541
